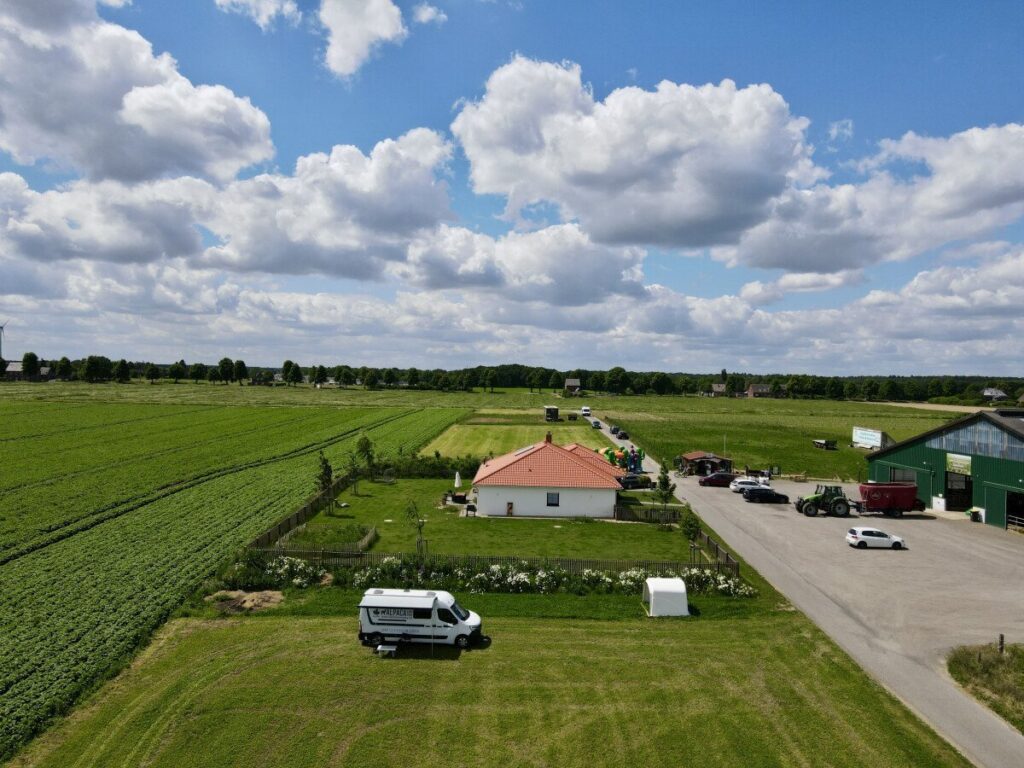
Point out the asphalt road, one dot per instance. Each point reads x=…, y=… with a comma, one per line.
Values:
x=898, y=614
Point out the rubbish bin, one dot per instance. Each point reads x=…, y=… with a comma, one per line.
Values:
x=975, y=514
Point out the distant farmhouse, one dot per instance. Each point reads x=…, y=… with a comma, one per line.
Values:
x=15, y=372
x=993, y=394
x=572, y=386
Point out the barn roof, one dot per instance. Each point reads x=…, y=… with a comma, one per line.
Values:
x=544, y=465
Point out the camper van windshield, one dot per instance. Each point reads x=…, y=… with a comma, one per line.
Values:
x=459, y=611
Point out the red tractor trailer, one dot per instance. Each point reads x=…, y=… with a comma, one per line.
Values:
x=891, y=499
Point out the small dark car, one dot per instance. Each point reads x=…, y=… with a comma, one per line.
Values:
x=718, y=479
x=632, y=482
x=614, y=430
x=622, y=435
x=765, y=496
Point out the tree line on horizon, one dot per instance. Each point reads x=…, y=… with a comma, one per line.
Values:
x=616, y=380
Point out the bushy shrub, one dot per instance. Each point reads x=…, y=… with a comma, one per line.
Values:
x=521, y=578
x=255, y=572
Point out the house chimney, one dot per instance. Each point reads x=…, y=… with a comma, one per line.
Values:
x=547, y=438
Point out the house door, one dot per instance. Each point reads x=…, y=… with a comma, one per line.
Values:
x=959, y=492
x=508, y=509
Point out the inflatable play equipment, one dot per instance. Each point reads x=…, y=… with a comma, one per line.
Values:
x=631, y=460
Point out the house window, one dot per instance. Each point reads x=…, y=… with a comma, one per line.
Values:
x=552, y=499
x=902, y=475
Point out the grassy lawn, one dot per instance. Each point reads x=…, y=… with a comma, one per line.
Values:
x=447, y=533
x=497, y=438
x=284, y=692
x=995, y=680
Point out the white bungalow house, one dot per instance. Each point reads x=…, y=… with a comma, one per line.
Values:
x=547, y=480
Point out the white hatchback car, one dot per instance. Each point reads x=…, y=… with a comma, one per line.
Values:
x=740, y=484
x=862, y=538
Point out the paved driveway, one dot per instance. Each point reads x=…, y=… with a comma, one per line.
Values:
x=897, y=613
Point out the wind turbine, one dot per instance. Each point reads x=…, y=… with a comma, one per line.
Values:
x=2, y=326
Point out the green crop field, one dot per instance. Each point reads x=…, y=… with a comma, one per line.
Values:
x=383, y=506
x=286, y=691
x=476, y=439
x=112, y=513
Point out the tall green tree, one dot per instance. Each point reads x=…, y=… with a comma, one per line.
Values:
x=365, y=450
x=96, y=368
x=490, y=378
x=30, y=365
x=177, y=371
x=226, y=366
x=295, y=375
x=324, y=480
x=3, y=365
x=320, y=375
x=64, y=369
x=122, y=371
x=152, y=373
x=665, y=490
x=372, y=378
x=615, y=380
x=286, y=371
x=240, y=371
x=198, y=372
x=214, y=375
x=412, y=377
x=390, y=377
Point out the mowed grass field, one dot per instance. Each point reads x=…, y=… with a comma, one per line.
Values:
x=289, y=692
x=497, y=439
x=383, y=506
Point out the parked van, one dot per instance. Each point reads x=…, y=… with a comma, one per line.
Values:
x=416, y=616
x=585, y=410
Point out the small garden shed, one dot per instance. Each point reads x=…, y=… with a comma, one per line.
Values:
x=666, y=597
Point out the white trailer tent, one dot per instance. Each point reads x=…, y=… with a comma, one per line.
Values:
x=666, y=597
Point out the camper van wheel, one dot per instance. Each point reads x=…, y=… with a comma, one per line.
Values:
x=375, y=639
x=462, y=641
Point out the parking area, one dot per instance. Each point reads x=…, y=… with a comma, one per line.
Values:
x=896, y=612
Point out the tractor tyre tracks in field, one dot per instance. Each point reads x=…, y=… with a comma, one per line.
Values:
x=84, y=524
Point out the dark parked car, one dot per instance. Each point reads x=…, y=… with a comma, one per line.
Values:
x=765, y=496
x=631, y=482
x=623, y=435
x=614, y=430
x=718, y=479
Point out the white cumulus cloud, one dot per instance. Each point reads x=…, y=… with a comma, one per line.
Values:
x=355, y=28
x=91, y=96
x=263, y=12
x=679, y=166
x=425, y=13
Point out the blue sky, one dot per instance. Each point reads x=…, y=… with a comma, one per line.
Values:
x=872, y=211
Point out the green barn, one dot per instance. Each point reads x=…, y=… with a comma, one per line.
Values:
x=976, y=461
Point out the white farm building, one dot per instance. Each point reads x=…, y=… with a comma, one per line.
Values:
x=547, y=480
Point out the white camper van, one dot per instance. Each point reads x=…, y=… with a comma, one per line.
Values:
x=585, y=411
x=416, y=616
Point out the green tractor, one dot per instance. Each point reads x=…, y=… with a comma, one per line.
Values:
x=827, y=499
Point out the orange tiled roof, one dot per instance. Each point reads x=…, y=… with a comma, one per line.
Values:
x=543, y=465
x=594, y=459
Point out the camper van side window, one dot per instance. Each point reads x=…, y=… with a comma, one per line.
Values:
x=421, y=613
x=446, y=616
